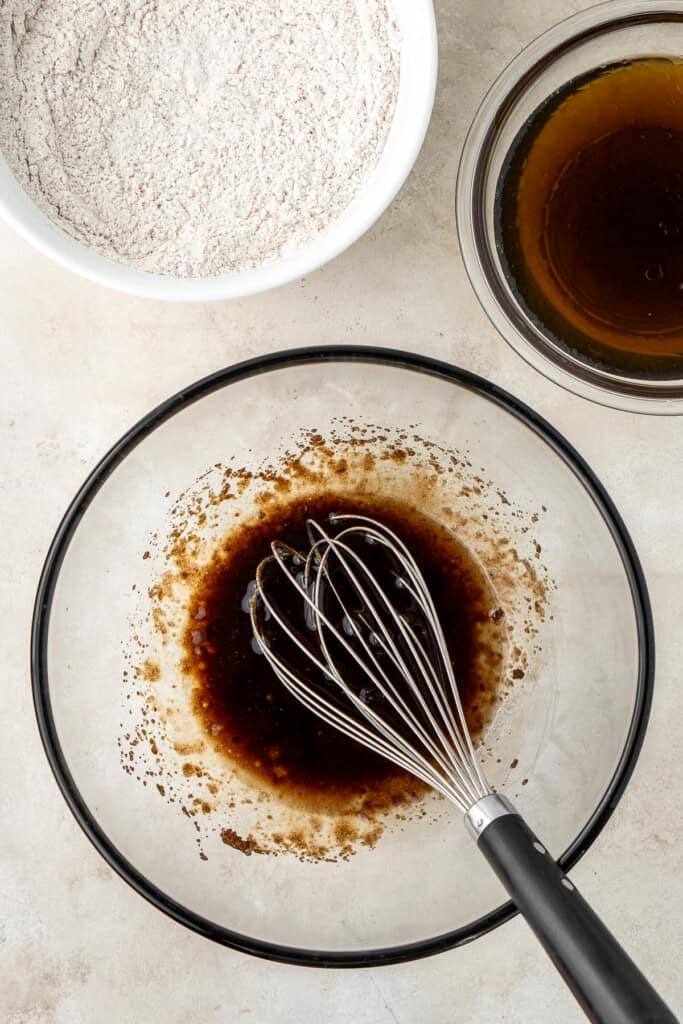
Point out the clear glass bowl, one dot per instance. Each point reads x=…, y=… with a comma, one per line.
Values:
x=614, y=31
x=574, y=724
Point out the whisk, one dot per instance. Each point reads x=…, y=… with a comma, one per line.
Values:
x=350, y=628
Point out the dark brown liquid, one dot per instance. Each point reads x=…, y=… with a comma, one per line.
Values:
x=248, y=713
x=590, y=214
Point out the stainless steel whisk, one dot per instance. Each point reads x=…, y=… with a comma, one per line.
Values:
x=365, y=651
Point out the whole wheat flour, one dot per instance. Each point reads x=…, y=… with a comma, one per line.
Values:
x=195, y=137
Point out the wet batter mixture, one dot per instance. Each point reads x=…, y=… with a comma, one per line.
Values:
x=248, y=714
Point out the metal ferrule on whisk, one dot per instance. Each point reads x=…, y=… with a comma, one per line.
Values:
x=485, y=811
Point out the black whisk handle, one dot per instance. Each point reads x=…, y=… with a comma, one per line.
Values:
x=602, y=977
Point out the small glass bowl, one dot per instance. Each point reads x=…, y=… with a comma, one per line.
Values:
x=618, y=30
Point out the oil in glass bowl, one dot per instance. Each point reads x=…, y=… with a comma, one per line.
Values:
x=589, y=217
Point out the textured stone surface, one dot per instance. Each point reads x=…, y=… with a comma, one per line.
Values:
x=79, y=365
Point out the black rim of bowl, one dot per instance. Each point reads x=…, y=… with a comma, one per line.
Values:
x=252, y=367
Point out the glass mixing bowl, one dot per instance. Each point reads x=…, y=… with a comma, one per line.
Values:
x=619, y=30
x=562, y=744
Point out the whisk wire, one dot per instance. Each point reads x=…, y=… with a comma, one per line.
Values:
x=422, y=596
x=411, y=759
x=382, y=639
x=431, y=736
x=421, y=727
x=340, y=719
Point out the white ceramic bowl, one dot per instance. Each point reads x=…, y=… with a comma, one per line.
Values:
x=406, y=135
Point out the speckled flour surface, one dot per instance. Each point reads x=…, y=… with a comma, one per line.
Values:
x=195, y=137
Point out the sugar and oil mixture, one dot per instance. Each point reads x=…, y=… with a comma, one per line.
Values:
x=208, y=726
x=195, y=137
x=250, y=716
x=590, y=217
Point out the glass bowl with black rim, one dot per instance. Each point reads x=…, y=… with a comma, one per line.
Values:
x=562, y=743
x=569, y=205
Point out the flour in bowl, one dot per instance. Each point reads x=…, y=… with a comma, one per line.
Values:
x=195, y=137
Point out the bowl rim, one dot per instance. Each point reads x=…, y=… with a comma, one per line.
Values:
x=658, y=396
x=55, y=243
x=183, y=399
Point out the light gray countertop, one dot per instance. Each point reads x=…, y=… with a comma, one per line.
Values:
x=79, y=366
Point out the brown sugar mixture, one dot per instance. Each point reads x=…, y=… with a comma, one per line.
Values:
x=206, y=724
x=248, y=714
x=590, y=217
